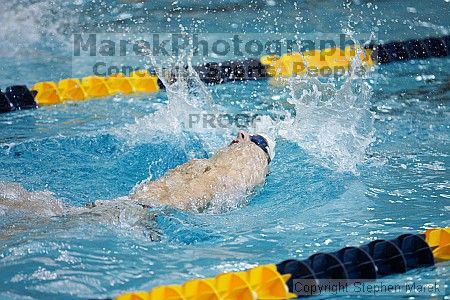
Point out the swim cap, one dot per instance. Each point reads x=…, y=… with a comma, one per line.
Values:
x=265, y=143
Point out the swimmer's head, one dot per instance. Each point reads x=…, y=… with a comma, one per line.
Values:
x=259, y=140
x=262, y=143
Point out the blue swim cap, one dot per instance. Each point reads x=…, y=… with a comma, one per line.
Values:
x=262, y=143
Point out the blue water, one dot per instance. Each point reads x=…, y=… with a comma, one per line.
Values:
x=84, y=151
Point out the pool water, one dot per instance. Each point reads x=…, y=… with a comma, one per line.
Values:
x=326, y=189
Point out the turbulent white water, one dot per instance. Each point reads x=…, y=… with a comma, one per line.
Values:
x=331, y=123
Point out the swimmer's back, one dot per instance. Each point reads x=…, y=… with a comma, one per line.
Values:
x=233, y=169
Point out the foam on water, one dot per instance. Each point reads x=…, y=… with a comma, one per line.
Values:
x=332, y=124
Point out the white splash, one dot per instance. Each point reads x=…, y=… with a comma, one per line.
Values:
x=188, y=102
x=332, y=124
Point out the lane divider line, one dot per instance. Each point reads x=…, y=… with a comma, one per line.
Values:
x=311, y=62
x=367, y=263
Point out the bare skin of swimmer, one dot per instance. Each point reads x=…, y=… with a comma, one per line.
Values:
x=235, y=169
x=232, y=172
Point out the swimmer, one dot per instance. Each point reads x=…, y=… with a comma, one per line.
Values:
x=234, y=171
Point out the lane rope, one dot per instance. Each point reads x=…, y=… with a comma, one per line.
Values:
x=366, y=263
x=311, y=62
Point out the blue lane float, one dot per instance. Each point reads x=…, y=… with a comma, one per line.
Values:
x=17, y=97
x=411, y=49
x=5, y=104
x=358, y=263
x=369, y=262
x=388, y=258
